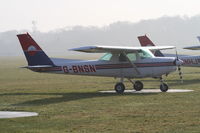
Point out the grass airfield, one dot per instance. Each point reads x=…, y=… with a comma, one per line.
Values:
x=68, y=103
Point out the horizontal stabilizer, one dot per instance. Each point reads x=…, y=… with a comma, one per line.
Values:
x=38, y=66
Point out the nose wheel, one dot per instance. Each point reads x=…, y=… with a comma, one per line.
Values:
x=163, y=86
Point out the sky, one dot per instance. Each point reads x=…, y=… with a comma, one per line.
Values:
x=47, y=15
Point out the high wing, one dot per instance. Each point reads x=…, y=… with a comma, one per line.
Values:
x=196, y=47
x=118, y=49
x=193, y=47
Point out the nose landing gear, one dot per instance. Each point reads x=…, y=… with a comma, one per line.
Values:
x=163, y=86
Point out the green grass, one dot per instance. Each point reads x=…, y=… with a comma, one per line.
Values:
x=73, y=104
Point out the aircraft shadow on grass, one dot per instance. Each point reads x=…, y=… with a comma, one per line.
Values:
x=66, y=97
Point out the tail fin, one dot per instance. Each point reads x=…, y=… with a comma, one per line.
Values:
x=145, y=41
x=34, y=54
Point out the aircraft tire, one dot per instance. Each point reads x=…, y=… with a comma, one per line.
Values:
x=119, y=87
x=138, y=85
x=164, y=87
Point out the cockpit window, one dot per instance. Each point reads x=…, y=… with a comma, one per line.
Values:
x=106, y=57
x=144, y=54
x=132, y=56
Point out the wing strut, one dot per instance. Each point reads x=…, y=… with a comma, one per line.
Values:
x=133, y=65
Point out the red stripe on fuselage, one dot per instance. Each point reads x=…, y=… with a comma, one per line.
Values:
x=127, y=65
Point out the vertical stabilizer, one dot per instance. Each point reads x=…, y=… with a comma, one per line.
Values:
x=145, y=41
x=34, y=54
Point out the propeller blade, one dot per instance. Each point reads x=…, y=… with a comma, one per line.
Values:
x=179, y=67
x=180, y=74
x=176, y=54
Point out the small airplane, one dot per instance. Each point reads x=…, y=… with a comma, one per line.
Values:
x=118, y=62
x=188, y=60
x=196, y=47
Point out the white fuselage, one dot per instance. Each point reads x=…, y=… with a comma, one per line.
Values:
x=151, y=67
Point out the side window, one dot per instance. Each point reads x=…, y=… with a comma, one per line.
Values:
x=132, y=56
x=106, y=57
x=144, y=54
x=141, y=55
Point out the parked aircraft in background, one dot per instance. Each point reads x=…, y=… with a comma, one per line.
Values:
x=188, y=60
x=196, y=47
x=118, y=62
x=198, y=37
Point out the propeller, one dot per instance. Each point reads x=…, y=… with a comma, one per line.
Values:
x=178, y=63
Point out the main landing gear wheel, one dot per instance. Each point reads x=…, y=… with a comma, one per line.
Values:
x=164, y=87
x=138, y=85
x=119, y=88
